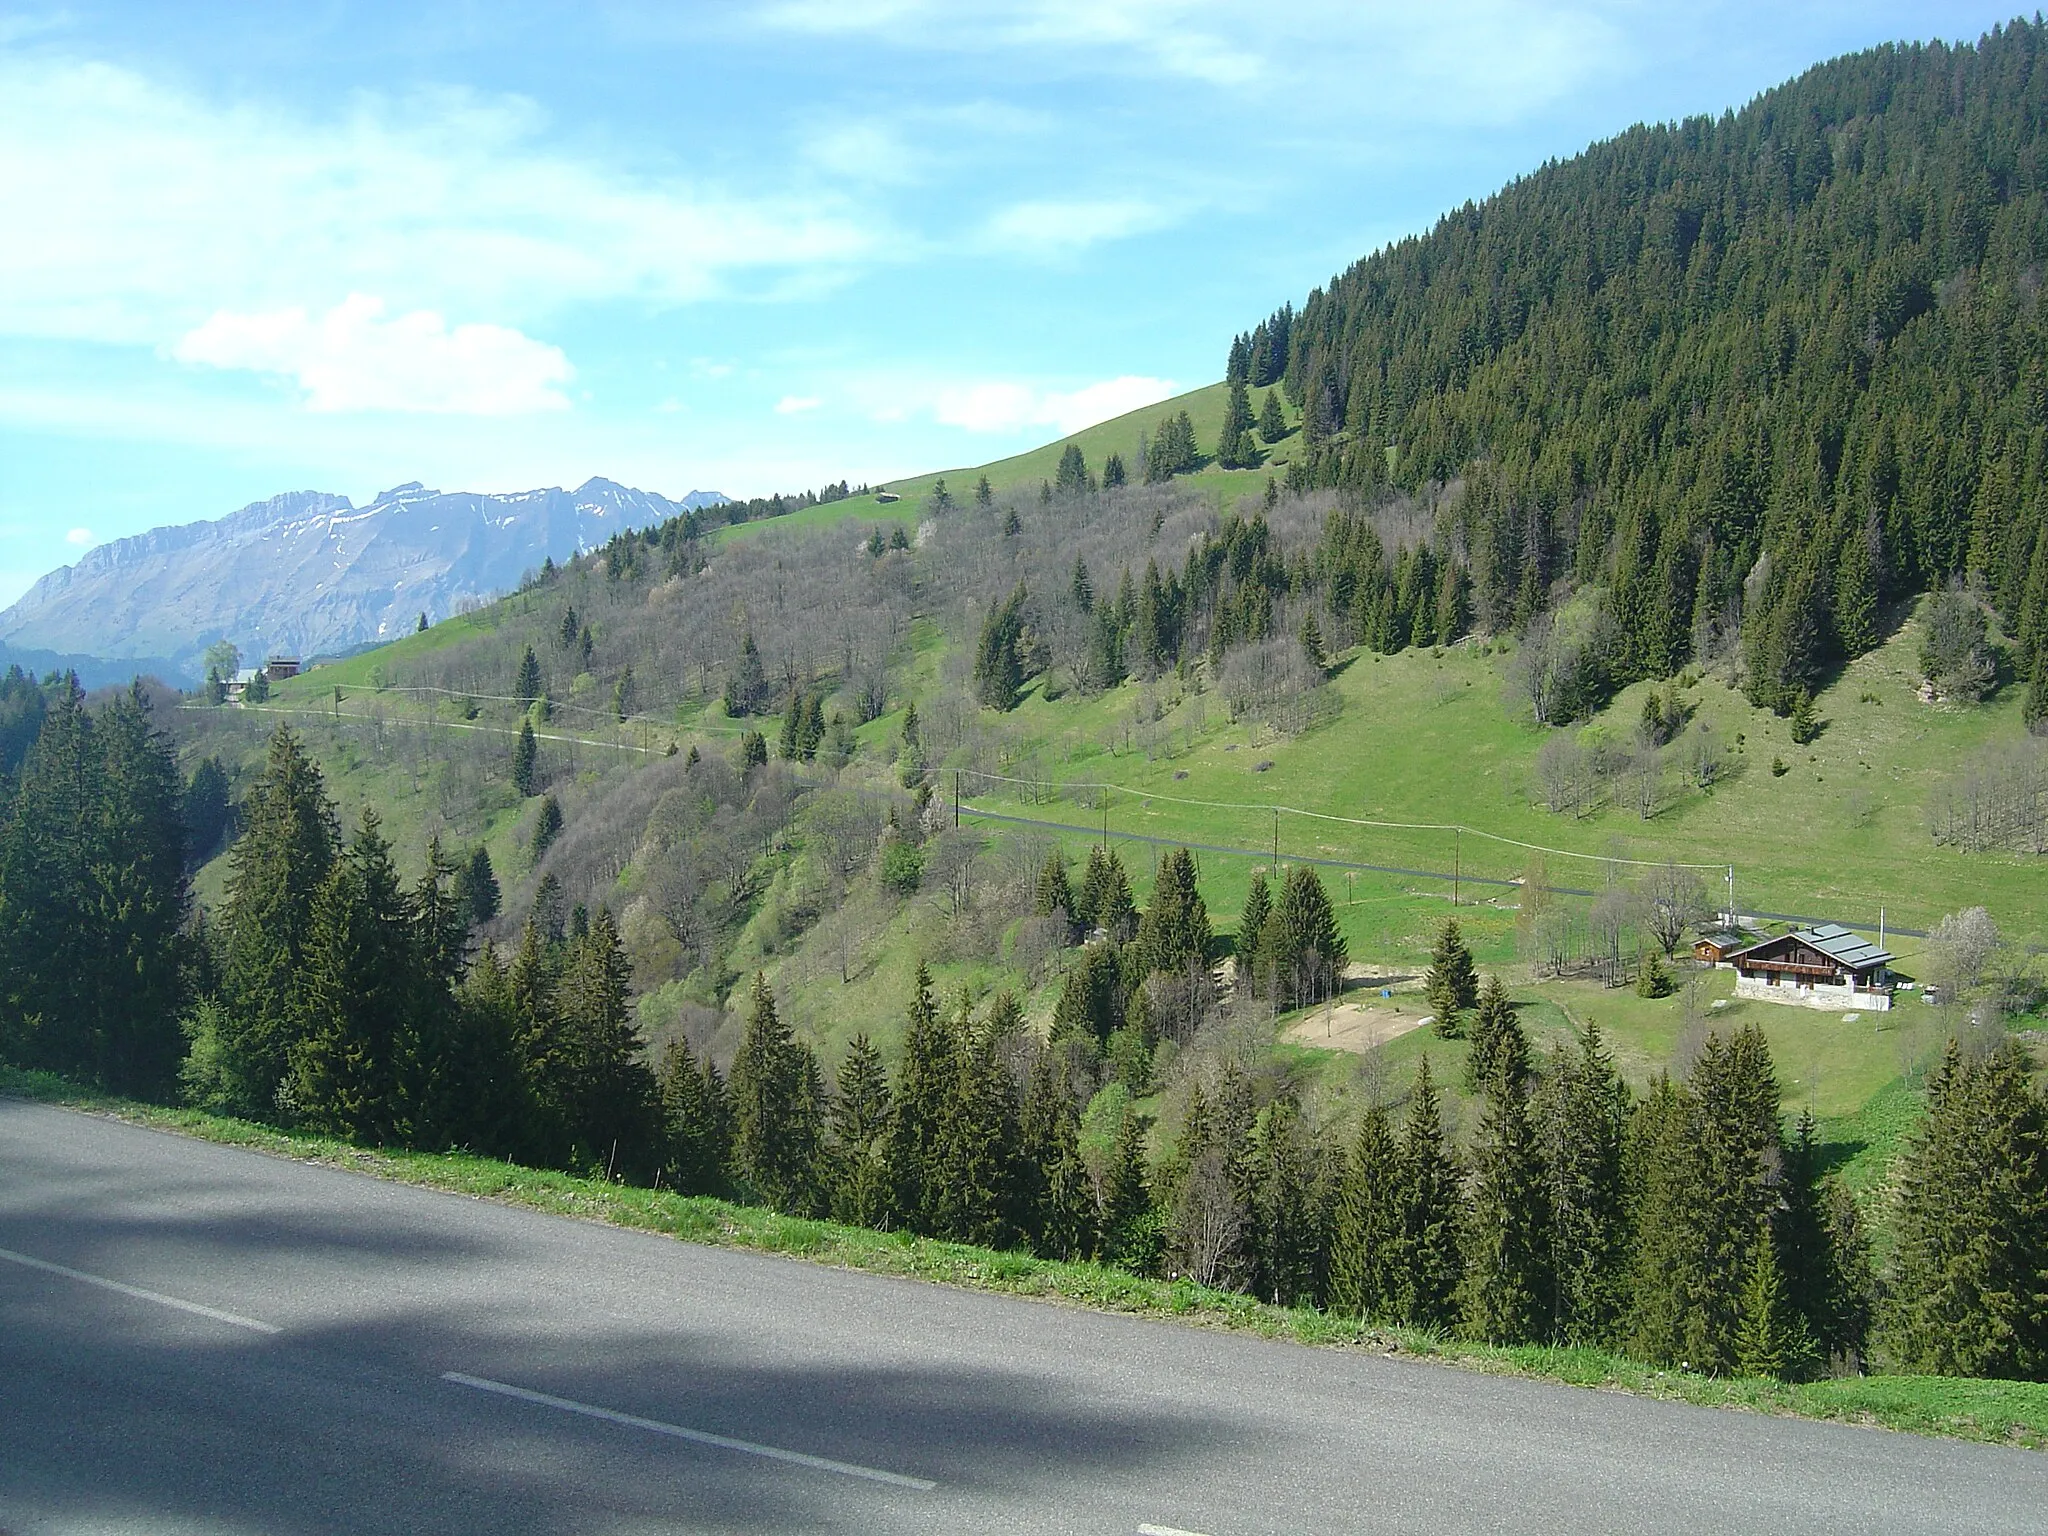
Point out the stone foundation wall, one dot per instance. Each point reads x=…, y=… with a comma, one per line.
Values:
x=1832, y=999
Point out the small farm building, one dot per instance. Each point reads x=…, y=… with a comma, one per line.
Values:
x=1714, y=946
x=1824, y=967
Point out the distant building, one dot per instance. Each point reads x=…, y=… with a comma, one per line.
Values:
x=1824, y=967
x=1714, y=946
x=278, y=668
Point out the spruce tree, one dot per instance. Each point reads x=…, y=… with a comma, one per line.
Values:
x=1770, y=1338
x=1300, y=945
x=547, y=826
x=1498, y=1045
x=206, y=810
x=978, y=1137
x=1173, y=935
x=609, y=1096
x=1059, y=1202
x=1114, y=476
x=777, y=1110
x=984, y=493
x=1505, y=1294
x=1367, y=1245
x=924, y=1085
x=692, y=1108
x=1582, y=1113
x=277, y=867
x=526, y=683
x=1272, y=420
x=480, y=886
x=356, y=1066
x=1053, y=896
x=525, y=755
x=1290, y=1216
x=1430, y=1216
x=1251, y=924
x=1104, y=900
x=860, y=1119
x=1452, y=985
x=1969, y=1278
x=1129, y=1224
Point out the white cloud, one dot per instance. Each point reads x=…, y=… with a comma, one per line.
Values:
x=1002, y=407
x=792, y=405
x=137, y=210
x=354, y=359
x=82, y=538
x=1059, y=227
x=1191, y=38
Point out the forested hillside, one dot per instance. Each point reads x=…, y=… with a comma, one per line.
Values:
x=1755, y=376
x=1002, y=864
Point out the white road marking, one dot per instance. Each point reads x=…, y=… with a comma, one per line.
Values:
x=233, y=1318
x=1165, y=1530
x=695, y=1436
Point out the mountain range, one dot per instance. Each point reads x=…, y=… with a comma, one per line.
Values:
x=308, y=572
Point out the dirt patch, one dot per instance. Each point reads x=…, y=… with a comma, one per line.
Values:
x=1359, y=1027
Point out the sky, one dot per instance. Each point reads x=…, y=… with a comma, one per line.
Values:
x=251, y=248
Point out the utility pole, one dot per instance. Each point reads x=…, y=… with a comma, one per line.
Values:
x=1731, y=895
x=1105, y=818
x=1276, y=844
x=956, y=799
x=1457, y=861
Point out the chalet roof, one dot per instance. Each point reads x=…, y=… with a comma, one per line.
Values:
x=1852, y=950
x=1727, y=938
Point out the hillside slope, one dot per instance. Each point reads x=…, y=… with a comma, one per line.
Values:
x=310, y=572
x=1760, y=375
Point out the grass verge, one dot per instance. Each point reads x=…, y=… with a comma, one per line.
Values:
x=1998, y=1412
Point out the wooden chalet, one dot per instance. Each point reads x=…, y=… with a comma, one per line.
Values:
x=1824, y=967
x=1714, y=946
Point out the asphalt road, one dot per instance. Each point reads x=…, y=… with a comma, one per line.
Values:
x=194, y=1338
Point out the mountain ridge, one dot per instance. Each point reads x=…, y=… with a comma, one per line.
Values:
x=310, y=571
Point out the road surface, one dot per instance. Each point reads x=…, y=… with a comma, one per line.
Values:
x=195, y=1338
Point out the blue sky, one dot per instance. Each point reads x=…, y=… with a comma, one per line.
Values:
x=252, y=248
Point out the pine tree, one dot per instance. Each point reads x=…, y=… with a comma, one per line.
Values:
x=206, y=810
x=1060, y=1205
x=1173, y=935
x=1430, y=1223
x=692, y=1103
x=984, y=493
x=1367, y=1247
x=608, y=1097
x=860, y=1120
x=1114, y=476
x=525, y=756
x=1233, y=449
x=1272, y=421
x=1080, y=588
x=277, y=867
x=1770, y=1339
x=480, y=886
x=1290, y=1218
x=746, y=685
x=1452, y=985
x=1251, y=924
x=753, y=750
x=1091, y=1001
x=1582, y=1113
x=923, y=1086
x=1072, y=477
x=1505, y=1293
x=526, y=684
x=547, y=826
x=1653, y=980
x=1053, y=896
x=999, y=661
x=355, y=1068
x=1969, y=1276
x=978, y=1137
x=777, y=1111
x=1104, y=900
x=1129, y=1224
x=1300, y=945
x=1499, y=1048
